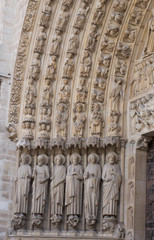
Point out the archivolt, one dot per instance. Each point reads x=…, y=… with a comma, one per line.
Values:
x=74, y=65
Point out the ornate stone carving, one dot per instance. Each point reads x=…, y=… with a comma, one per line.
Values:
x=61, y=120
x=97, y=121
x=136, y=17
x=41, y=177
x=131, y=192
x=107, y=45
x=81, y=91
x=65, y=91
x=81, y=15
x=116, y=94
x=92, y=176
x=99, y=12
x=130, y=218
x=63, y=19
x=52, y=69
x=39, y=46
x=142, y=3
x=114, y=126
x=12, y=132
x=111, y=177
x=141, y=113
x=73, y=198
x=79, y=119
x=150, y=45
x=120, y=6
x=55, y=45
x=123, y=50
x=131, y=167
x=92, y=38
x=74, y=42
x=35, y=67
x=130, y=235
x=143, y=76
x=130, y=35
x=86, y=64
x=112, y=30
x=69, y=66
x=47, y=94
x=57, y=189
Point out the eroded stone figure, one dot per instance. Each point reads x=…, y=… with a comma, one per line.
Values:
x=92, y=177
x=150, y=43
x=40, y=184
x=61, y=120
x=81, y=15
x=79, y=120
x=97, y=122
x=73, y=198
x=111, y=177
x=22, y=185
x=57, y=189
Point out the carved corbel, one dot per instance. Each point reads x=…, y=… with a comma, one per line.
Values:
x=12, y=132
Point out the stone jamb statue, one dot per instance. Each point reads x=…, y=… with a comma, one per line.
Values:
x=40, y=185
x=92, y=177
x=22, y=188
x=73, y=199
x=57, y=189
x=111, y=177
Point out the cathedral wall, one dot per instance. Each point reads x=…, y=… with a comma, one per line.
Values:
x=12, y=15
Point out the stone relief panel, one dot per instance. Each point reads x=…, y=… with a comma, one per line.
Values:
x=141, y=114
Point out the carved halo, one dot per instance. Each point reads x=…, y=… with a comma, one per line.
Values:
x=115, y=156
x=78, y=156
x=96, y=157
x=28, y=157
x=45, y=158
x=62, y=157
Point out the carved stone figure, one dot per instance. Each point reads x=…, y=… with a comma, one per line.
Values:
x=45, y=17
x=123, y=50
x=57, y=188
x=131, y=192
x=47, y=94
x=22, y=185
x=40, y=184
x=65, y=91
x=81, y=16
x=111, y=186
x=131, y=172
x=130, y=217
x=74, y=42
x=39, y=46
x=115, y=95
x=81, y=91
x=117, y=17
x=44, y=128
x=86, y=64
x=107, y=45
x=35, y=67
x=92, y=176
x=52, y=68
x=142, y=3
x=31, y=93
x=150, y=44
x=73, y=198
x=69, y=66
x=98, y=95
x=27, y=126
x=105, y=60
x=12, y=132
x=92, y=37
x=99, y=13
x=136, y=17
x=67, y=3
x=56, y=41
x=63, y=19
x=97, y=121
x=130, y=35
x=112, y=30
x=120, y=6
x=121, y=68
x=61, y=120
x=79, y=120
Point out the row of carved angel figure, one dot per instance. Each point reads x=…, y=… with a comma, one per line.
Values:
x=69, y=185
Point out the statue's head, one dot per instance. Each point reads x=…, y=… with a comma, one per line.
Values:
x=75, y=159
x=112, y=157
x=59, y=159
x=26, y=159
x=93, y=158
x=42, y=159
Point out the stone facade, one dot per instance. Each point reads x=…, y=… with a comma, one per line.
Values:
x=81, y=106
